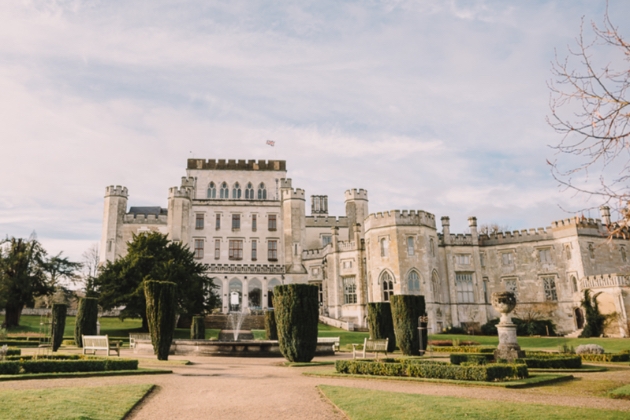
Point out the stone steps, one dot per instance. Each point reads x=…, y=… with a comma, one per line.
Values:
x=574, y=334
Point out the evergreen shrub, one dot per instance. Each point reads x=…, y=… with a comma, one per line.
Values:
x=161, y=308
x=463, y=349
x=381, y=324
x=9, y=368
x=87, y=318
x=606, y=357
x=406, y=309
x=198, y=328
x=271, y=329
x=14, y=351
x=59, y=311
x=296, y=310
x=552, y=362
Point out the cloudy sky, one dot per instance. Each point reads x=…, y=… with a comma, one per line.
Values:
x=433, y=105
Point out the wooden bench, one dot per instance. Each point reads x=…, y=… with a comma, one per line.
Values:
x=334, y=341
x=138, y=336
x=99, y=342
x=370, y=345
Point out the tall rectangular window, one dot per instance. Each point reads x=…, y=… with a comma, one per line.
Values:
x=485, y=290
x=272, y=250
x=254, y=250
x=326, y=239
x=432, y=247
x=544, y=256
x=198, y=248
x=349, y=290
x=482, y=259
x=507, y=258
x=272, y=222
x=464, y=286
x=254, y=222
x=320, y=293
x=217, y=223
x=410, y=247
x=236, y=221
x=549, y=286
x=199, y=221
x=236, y=249
x=384, y=247
x=217, y=249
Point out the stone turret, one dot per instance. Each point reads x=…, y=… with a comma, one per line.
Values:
x=356, y=210
x=472, y=224
x=446, y=229
x=179, y=214
x=115, y=209
x=605, y=213
x=293, y=226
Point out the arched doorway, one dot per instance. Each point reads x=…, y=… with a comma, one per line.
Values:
x=272, y=283
x=235, y=297
x=579, y=318
x=255, y=294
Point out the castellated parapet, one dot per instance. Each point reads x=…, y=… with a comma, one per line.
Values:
x=326, y=221
x=285, y=183
x=293, y=194
x=116, y=190
x=400, y=217
x=188, y=182
x=178, y=192
x=516, y=237
x=145, y=219
x=356, y=194
x=238, y=165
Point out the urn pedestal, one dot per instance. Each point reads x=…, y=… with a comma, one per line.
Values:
x=508, y=349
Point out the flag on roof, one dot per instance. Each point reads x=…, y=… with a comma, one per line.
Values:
x=271, y=142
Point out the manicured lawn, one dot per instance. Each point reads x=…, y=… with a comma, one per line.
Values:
x=102, y=403
x=367, y=404
x=622, y=392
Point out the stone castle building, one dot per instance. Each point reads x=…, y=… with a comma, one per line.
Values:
x=247, y=222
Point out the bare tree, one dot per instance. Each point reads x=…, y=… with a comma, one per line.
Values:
x=490, y=228
x=590, y=109
x=90, y=263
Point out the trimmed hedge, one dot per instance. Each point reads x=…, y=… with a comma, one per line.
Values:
x=552, y=362
x=296, y=310
x=59, y=311
x=49, y=365
x=606, y=357
x=161, y=307
x=271, y=329
x=87, y=318
x=433, y=370
x=406, y=309
x=20, y=343
x=13, y=351
x=381, y=324
x=462, y=349
x=473, y=358
x=198, y=328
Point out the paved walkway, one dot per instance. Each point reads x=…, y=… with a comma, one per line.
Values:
x=239, y=388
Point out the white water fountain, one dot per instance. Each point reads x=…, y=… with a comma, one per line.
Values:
x=233, y=331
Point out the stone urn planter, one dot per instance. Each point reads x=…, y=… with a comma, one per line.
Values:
x=508, y=349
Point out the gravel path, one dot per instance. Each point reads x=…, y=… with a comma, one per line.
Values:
x=237, y=388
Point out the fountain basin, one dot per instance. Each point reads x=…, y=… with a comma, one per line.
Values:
x=250, y=348
x=243, y=335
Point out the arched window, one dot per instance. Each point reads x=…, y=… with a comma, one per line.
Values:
x=413, y=282
x=225, y=191
x=212, y=190
x=262, y=192
x=435, y=284
x=388, y=286
x=249, y=191
x=236, y=191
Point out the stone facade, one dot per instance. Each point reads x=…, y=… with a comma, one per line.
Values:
x=246, y=221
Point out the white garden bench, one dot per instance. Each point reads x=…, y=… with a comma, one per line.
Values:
x=334, y=341
x=370, y=345
x=99, y=342
x=137, y=336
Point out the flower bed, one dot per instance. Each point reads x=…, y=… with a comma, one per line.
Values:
x=57, y=364
x=462, y=349
x=434, y=370
x=606, y=357
x=552, y=361
x=473, y=358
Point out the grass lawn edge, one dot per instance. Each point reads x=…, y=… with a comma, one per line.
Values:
x=140, y=401
x=584, y=368
x=533, y=380
x=139, y=371
x=308, y=364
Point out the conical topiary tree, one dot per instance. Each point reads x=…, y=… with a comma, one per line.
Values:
x=296, y=310
x=87, y=317
x=161, y=308
x=380, y=323
x=198, y=328
x=59, y=311
x=271, y=329
x=406, y=309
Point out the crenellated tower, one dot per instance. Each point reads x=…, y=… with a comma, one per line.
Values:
x=356, y=210
x=293, y=226
x=112, y=235
x=180, y=214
